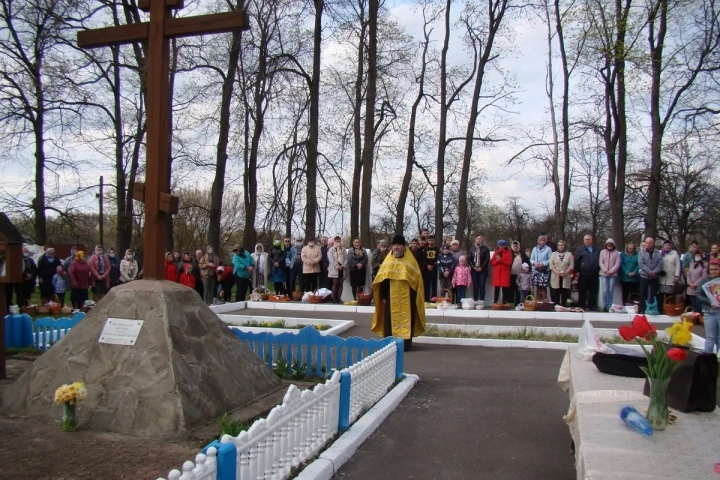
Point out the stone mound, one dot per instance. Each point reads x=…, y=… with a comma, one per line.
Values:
x=185, y=369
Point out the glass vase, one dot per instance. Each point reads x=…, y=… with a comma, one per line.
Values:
x=69, y=420
x=658, y=413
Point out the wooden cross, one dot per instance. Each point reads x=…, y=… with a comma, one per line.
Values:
x=155, y=192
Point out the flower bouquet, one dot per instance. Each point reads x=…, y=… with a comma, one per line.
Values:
x=662, y=360
x=69, y=396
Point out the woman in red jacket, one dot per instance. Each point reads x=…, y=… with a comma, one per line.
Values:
x=171, y=273
x=502, y=263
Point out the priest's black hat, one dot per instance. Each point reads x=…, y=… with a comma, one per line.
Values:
x=399, y=240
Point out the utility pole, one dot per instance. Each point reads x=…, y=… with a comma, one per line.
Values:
x=100, y=197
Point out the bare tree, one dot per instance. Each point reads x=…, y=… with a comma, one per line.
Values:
x=612, y=36
x=675, y=65
x=430, y=14
x=35, y=89
x=482, y=38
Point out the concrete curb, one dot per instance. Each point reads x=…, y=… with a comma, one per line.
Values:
x=343, y=448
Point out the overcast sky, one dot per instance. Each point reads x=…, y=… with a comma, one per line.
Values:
x=526, y=64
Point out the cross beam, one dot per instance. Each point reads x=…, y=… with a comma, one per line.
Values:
x=155, y=192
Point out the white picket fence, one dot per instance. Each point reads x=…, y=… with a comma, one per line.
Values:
x=292, y=433
x=371, y=379
x=204, y=468
x=297, y=429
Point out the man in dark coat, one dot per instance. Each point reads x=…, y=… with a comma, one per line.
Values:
x=587, y=269
x=46, y=269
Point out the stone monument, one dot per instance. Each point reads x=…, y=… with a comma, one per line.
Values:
x=180, y=366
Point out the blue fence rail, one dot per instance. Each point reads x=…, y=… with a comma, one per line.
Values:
x=48, y=330
x=320, y=353
x=312, y=348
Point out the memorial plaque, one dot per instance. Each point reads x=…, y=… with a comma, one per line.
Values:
x=120, y=331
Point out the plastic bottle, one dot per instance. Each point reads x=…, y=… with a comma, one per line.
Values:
x=634, y=420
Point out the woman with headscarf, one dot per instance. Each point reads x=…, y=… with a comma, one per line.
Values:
x=561, y=265
x=540, y=261
x=336, y=268
x=114, y=268
x=276, y=254
x=261, y=260
x=670, y=273
x=208, y=272
x=99, y=265
x=128, y=267
x=79, y=280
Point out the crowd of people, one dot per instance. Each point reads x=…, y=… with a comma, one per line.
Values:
x=648, y=274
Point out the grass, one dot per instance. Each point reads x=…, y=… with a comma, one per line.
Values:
x=23, y=351
x=231, y=427
x=528, y=334
x=280, y=323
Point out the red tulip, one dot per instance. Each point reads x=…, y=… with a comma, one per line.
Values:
x=641, y=326
x=652, y=333
x=627, y=333
x=677, y=354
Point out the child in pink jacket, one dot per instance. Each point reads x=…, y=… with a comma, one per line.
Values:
x=461, y=279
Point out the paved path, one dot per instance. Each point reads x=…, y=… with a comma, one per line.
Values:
x=476, y=413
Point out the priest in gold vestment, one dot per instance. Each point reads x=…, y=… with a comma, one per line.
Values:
x=398, y=295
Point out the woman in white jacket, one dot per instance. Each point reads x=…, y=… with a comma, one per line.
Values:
x=128, y=267
x=670, y=274
x=609, y=268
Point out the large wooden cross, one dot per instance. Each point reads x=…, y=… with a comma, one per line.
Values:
x=155, y=192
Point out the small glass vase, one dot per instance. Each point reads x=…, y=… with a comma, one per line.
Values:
x=69, y=420
x=658, y=413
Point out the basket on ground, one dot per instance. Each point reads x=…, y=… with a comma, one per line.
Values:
x=546, y=306
x=297, y=295
x=262, y=291
x=530, y=304
x=54, y=305
x=364, y=296
x=500, y=306
x=29, y=309
x=674, y=306
x=693, y=317
x=315, y=298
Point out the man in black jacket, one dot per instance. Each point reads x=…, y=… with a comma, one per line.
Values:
x=479, y=261
x=587, y=269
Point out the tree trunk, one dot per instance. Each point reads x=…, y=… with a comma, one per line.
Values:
x=410, y=158
x=495, y=14
x=218, y=185
x=312, y=142
x=442, y=134
x=250, y=176
x=657, y=127
x=616, y=177
x=561, y=214
x=357, y=113
x=39, y=200
x=368, y=155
